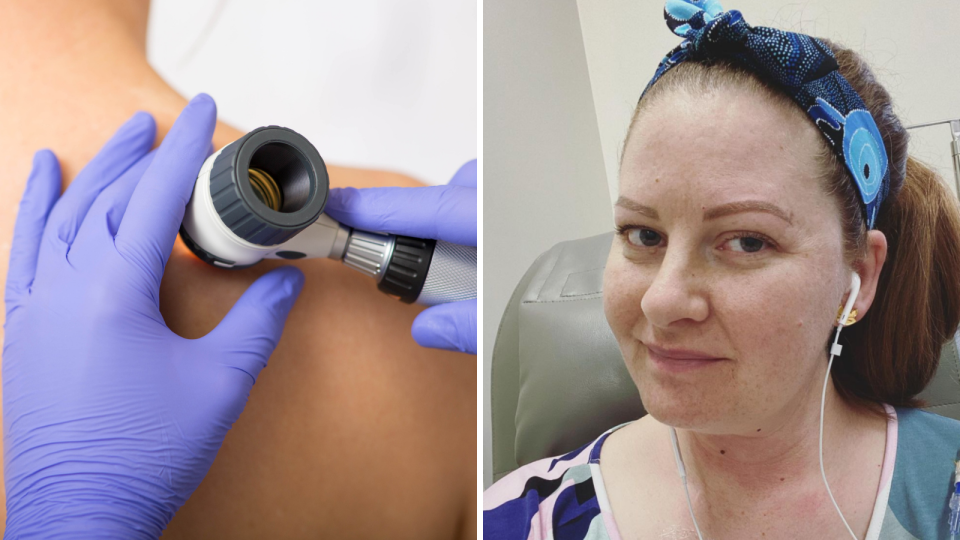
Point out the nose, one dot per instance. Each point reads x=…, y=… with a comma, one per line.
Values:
x=677, y=293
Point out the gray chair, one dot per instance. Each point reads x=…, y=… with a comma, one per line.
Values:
x=558, y=380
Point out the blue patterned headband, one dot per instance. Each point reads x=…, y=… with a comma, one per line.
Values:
x=806, y=70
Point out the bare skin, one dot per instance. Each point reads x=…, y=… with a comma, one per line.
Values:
x=747, y=423
x=353, y=431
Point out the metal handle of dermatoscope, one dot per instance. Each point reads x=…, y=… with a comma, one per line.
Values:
x=424, y=271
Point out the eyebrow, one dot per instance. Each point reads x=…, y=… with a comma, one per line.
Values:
x=715, y=212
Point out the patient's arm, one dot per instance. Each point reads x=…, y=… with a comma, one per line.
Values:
x=352, y=431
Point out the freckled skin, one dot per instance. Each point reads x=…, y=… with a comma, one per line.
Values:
x=767, y=314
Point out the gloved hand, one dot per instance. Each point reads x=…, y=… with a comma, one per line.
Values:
x=440, y=212
x=110, y=419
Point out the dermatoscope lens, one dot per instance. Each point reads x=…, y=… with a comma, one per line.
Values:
x=279, y=177
x=266, y=189
x=268, y=185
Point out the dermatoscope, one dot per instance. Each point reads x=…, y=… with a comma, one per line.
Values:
x=834, y=351
x=262, y=197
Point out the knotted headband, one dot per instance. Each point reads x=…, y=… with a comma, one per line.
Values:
x=807, y=71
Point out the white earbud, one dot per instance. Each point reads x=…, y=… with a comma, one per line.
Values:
x=854, y=291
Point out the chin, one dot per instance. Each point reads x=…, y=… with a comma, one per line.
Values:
x=681, y=416
x=686, y=408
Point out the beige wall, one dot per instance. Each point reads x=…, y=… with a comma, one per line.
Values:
x=561, y=80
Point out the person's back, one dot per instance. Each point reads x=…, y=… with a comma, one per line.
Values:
x=354, y=429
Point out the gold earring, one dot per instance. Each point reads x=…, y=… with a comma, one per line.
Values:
x=852, y=318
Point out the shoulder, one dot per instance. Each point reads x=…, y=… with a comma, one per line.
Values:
x=920, y=421
x=927, y=447
x=925, y=438
x=549, y=498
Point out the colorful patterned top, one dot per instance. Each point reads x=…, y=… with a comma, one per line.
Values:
x=564, y=498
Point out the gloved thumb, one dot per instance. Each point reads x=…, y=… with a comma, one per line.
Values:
x=247, y=336
x=450, y=326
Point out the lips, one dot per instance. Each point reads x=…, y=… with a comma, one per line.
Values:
x=678, y=360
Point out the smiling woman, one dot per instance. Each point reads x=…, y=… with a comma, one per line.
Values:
x=740, y=219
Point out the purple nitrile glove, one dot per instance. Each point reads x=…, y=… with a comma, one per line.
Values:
x=110, y=419
x=440, y=212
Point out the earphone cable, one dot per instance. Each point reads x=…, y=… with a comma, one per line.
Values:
x=683, y=477
x=834, y=350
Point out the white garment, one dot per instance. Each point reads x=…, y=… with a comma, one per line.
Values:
x=379, y=84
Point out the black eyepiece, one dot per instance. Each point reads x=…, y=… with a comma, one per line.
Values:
x=269, y=185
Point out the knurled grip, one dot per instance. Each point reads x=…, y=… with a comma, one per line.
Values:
x=420, y=270
x=452, y=275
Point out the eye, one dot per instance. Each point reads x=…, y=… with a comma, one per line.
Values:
x=748, y=242
x=640, y=237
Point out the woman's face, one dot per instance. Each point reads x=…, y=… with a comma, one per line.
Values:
x=730, y=248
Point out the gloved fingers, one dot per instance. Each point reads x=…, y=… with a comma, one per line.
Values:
x=448, y=326
x=247, y=336
x=465, y=176
x=105, y=215
x=440, y=212
x=153, y=215
x=39, y=197
x=129, y=143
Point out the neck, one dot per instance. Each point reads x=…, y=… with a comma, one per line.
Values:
x=781, y=454
x=70, y=28
x=86, y=62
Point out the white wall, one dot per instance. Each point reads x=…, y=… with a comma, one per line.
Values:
x=544, y=180
x=371, y=83
x=534, y=60
x=910, y=45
